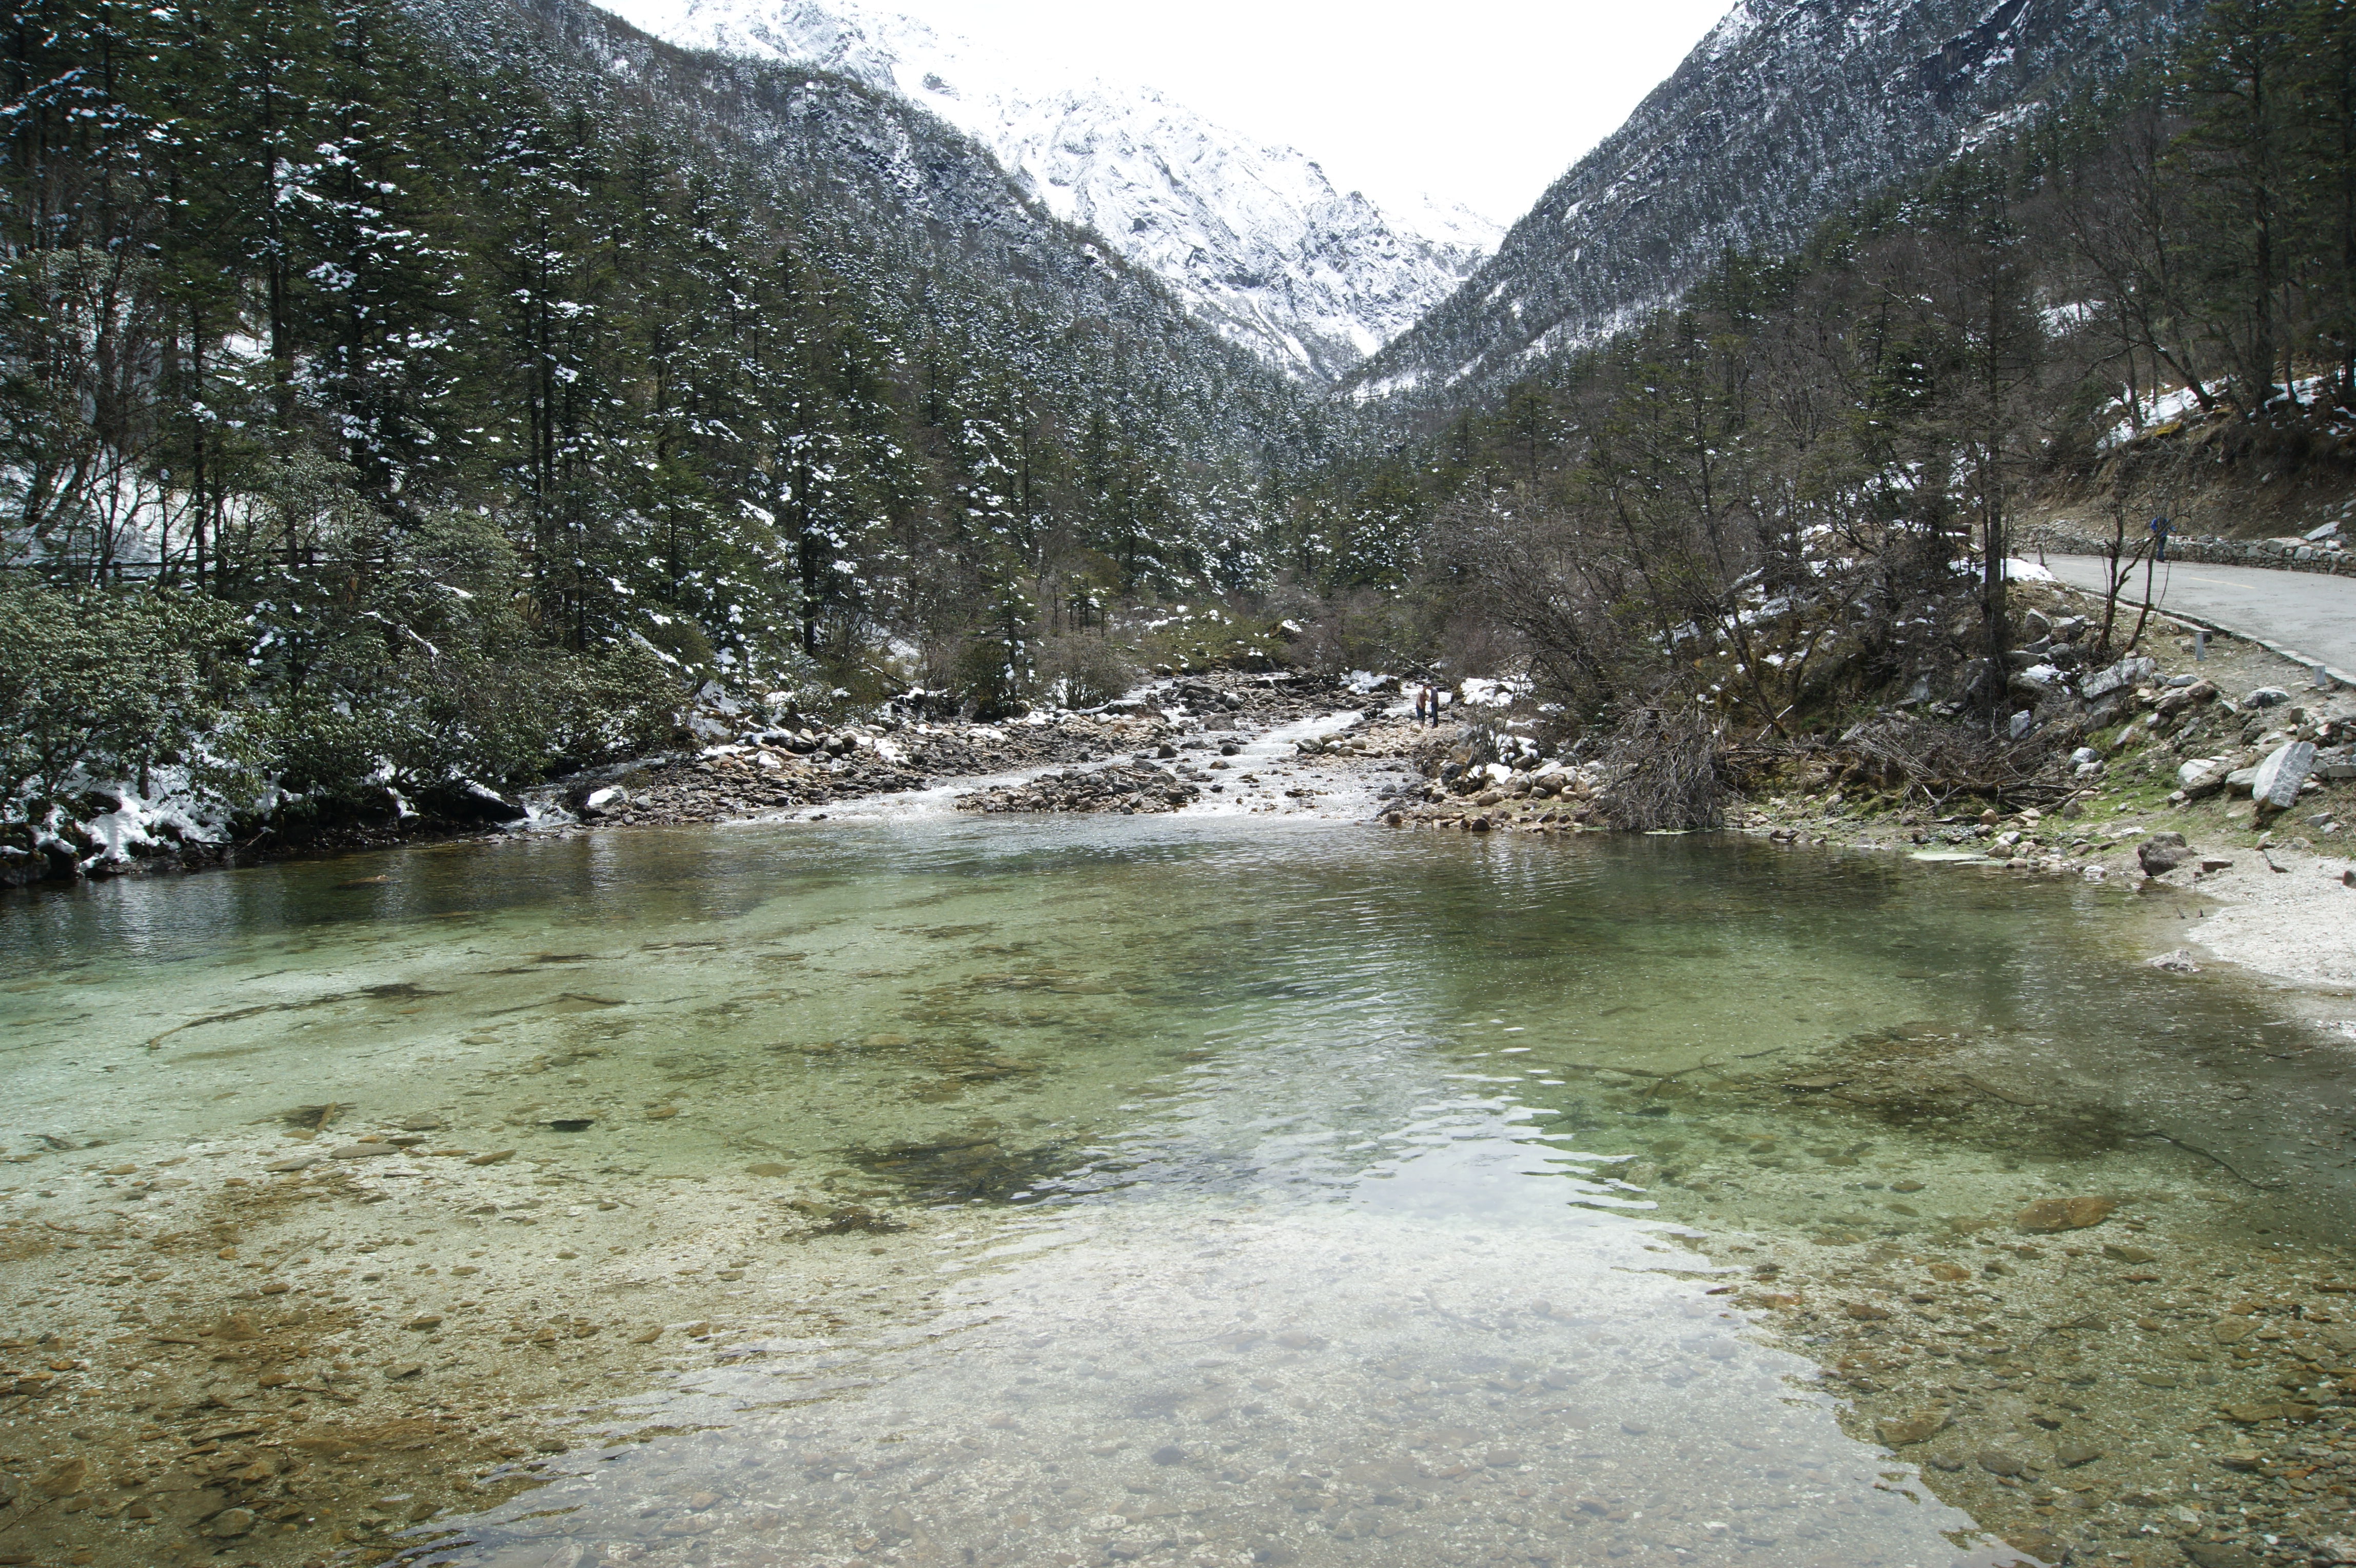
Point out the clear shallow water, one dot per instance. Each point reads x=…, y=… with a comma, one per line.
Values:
x=1324, y=1189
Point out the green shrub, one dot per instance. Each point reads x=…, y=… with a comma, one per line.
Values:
x=992, y=675
x=1086, y=671
x=504, y=721
x=107, y=684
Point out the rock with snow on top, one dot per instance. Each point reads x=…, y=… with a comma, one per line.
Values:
x=604, y=802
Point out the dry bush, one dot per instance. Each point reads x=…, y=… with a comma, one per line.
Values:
x=1670, y=776
x=1945, y=761
x=1941, y=761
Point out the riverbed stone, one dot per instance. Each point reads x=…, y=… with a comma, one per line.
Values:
x=2051, y=1214
x=2257, y=1411
x=1897, y=1431
x=2041, y=1544
x=63, y=1479
x=2219, y=1554
x=1999, y=1461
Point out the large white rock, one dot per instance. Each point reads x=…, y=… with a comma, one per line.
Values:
x=2118, y=677
x=2276, y=786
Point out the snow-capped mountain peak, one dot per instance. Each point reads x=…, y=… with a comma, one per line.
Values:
x=1253, y=237
x=1787, y=112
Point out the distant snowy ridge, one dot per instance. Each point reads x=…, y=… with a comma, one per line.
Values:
x=1787, y=112
x=1254, y=238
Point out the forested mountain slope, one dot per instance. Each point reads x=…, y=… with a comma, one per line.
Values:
x=408, y=392
x=1253, y=237
x=1782, y=504
x=884, y=194
x=1788, y=112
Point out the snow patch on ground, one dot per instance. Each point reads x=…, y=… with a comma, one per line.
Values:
x=171, y=811
x=1482, y=693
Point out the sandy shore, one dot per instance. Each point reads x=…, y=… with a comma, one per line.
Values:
x=2296, y=925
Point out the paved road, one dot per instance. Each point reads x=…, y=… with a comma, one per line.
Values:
x=2306, y=614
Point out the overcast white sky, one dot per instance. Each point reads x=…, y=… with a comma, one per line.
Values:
x=1483, y=103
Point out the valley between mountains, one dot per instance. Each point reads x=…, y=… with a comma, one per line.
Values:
x=780, y=792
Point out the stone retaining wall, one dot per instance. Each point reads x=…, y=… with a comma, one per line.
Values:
x=2219, y=552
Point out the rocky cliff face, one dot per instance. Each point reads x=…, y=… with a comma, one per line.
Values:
x=1255, y=239
x=1787, y=112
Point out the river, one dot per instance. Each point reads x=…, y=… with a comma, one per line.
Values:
x=1195, y=1190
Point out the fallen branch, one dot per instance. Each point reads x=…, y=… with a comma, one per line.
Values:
x=2194, y=1149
